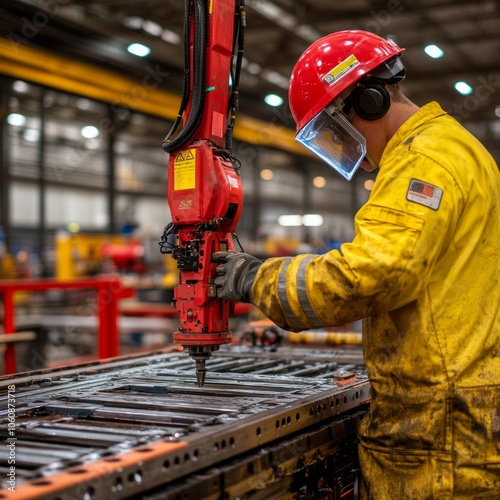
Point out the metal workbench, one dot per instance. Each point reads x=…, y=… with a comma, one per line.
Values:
x=267, y=424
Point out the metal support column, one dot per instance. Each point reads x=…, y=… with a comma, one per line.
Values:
x=111, y=167
x=4, y=159
x=42, y=223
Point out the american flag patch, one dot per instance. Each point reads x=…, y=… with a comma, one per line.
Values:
x=425, y=194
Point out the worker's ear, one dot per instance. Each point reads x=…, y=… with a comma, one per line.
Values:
x=371, y=101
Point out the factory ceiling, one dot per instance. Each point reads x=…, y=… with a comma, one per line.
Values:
x=277, y=32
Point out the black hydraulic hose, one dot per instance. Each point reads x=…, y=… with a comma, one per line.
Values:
x=199, y=63
x=241, y=39
x=239, y=32
x=187, y=72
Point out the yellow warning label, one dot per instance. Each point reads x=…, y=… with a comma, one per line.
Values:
x=341, y=69
x=185, y=170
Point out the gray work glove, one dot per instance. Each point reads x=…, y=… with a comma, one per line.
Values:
x=235, y=275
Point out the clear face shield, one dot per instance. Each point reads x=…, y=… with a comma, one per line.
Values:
x=330, y=136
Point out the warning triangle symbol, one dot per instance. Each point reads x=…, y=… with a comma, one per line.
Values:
x=189, y=155
x=180, y=157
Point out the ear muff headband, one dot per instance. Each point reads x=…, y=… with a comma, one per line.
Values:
x=371, y=101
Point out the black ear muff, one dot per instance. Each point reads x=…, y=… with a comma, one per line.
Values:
x=371, y=102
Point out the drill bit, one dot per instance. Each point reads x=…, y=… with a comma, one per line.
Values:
x=200, y=371
x=200, y=353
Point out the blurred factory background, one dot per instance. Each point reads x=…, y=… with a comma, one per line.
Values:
x=88, y=90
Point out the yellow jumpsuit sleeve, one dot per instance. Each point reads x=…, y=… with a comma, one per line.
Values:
x=387, y=265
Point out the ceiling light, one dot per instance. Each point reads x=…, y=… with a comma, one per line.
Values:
x=83, y=104
x=133, y=22
x=266, y=174
x=273, y=100
x=31, y=135
x=20, y=86
x=307, y=32
x=152, y=28
x=13, y=102
x=89, y=132
x=276, y=79
x=16, y=119
x=275, y=13
x=171, y=37
x=319, y=182
x=254, y=68
x=433, y=51
x=368, y=184
x=138, y=49
x=301, y=220
x=463, y=88
x=312, y=220
x=290, y=220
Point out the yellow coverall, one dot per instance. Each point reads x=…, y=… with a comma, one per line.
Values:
x=424, y=270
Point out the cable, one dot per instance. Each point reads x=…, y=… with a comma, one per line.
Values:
x=187, y=73
x=239, y=37
x=199, y=62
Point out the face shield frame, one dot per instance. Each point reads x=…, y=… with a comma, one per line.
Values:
x=331, y=137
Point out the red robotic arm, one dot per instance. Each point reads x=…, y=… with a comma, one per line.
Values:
x=204, y=183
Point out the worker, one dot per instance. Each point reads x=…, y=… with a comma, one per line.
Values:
x=423, y=271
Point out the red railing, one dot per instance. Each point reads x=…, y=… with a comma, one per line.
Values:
x=108, y=289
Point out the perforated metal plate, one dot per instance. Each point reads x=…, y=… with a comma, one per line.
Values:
x=128, y=426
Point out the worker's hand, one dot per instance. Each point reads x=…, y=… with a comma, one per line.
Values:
x=235, y=275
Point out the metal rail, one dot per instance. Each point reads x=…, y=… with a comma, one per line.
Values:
x=108, y=289
x=126, y=427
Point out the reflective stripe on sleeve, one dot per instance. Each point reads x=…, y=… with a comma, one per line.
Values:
x=300, y=283
x=282, y=293
x=302, y=293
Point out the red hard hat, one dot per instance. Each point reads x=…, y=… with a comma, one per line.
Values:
x=330, y=66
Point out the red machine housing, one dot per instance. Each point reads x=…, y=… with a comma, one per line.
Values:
x=205, y=198
x=204, y=190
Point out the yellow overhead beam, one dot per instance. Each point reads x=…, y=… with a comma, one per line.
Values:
x=53, y=71
x=45, y=68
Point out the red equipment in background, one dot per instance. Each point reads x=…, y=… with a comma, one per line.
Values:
x=109, y=290
x=126, y=257
x=204, y=183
